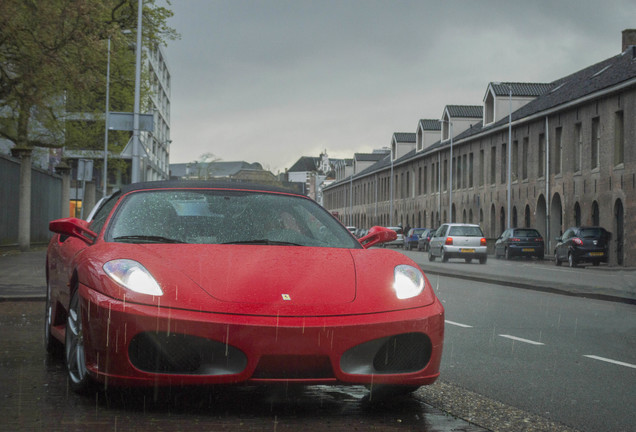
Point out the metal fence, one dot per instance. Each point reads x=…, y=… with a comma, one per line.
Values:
x=46, y=202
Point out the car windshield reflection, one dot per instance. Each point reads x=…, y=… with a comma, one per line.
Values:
x=225, y=217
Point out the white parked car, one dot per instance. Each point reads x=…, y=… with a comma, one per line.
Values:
x=457, y=240
x=399, y=241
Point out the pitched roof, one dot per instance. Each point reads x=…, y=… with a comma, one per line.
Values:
x=430, y=124
x=465, y=111
x=408, y=137
x=521, y=89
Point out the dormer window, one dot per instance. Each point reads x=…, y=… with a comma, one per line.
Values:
x=489, y=108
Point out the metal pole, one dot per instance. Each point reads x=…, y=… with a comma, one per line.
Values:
x=508, y=226
x=136, y=144
x=391, y=190
x=450, y=188
x=106, y=121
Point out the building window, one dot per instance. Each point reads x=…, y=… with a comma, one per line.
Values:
x=464, y=170
x=540, y=155
x=481, y=167
x=558, y=150
x=470, y=170
x=619, y=139
x=504, y=163
x=578, y=144
x=524, y=158
x=515, y=161
x=595, y=145
x=424, y=183
x=493, y=165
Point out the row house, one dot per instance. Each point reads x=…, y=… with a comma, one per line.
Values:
x=544, y=155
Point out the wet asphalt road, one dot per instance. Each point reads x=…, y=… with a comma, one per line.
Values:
x=35, y=396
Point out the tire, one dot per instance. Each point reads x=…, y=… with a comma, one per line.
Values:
x=483, y=259
x=596, y=263
x=51, y=344
x=571, y=260
x=431, y=257
x=557, y=262
x=443, y=255
x=507, y=252
x=78, y=377
x=468, y=260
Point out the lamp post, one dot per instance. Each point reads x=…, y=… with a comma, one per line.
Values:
x=450, y=179
x=106, y=121
x=135, y=150
x=509, y=153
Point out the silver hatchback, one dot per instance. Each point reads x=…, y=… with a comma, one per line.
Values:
x=457, y=240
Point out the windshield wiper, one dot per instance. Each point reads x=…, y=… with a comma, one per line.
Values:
x=148, y=239
x=263, y=242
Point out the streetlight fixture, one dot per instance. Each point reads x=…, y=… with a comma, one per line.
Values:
x=509, y=174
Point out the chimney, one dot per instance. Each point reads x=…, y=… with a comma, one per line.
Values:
x=629, y=38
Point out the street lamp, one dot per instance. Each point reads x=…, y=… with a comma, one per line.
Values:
x=106, y=123
x=135, y=150
x=450, y=162
x=509, y=174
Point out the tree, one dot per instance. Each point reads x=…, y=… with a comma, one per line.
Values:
x=53, y=52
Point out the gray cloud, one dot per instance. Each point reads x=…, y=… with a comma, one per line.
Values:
x=270, y=81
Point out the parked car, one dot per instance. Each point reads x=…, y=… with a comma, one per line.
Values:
x=526, y=242
x=457, y=240
x=587, y=244
x=399, y=240
x=412, y=237
x=425, y=238
x=179, y=283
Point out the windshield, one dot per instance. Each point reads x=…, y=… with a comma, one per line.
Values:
x=465, y=231
x=225, y=217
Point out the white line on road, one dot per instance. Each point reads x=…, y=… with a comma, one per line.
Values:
x=528, y=341
x=458, y=324
x=611, y=361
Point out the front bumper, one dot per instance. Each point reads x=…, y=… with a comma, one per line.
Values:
x=137, y=345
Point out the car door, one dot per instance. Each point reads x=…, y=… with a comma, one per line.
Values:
x=437, y=241
x=500, y=244
x=561, y=250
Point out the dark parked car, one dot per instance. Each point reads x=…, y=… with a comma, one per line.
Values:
x=412, y=237
x=425, y=239
x=582, y=244
x=525, y=242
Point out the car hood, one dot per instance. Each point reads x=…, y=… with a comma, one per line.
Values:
x=260, y=274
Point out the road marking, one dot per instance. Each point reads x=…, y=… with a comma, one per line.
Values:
x=528, y=341
x=458, y=324
x=611, y=361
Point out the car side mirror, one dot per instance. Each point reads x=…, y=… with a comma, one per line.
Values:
x=377, y=234
x=73, y=227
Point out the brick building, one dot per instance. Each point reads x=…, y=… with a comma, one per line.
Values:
x=572, y=161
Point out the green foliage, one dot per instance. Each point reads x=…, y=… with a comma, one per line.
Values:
x=53, y=57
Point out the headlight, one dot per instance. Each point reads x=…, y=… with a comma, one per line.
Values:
x=408, y=281
x=133, y=276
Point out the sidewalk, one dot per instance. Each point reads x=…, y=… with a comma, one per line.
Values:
x=22, y=276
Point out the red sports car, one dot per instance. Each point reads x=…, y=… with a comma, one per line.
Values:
x=195, y=283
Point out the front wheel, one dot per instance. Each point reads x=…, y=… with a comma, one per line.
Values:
x=79, y=379
x=431, y=257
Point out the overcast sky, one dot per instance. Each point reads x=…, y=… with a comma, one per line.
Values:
x=271, y=81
